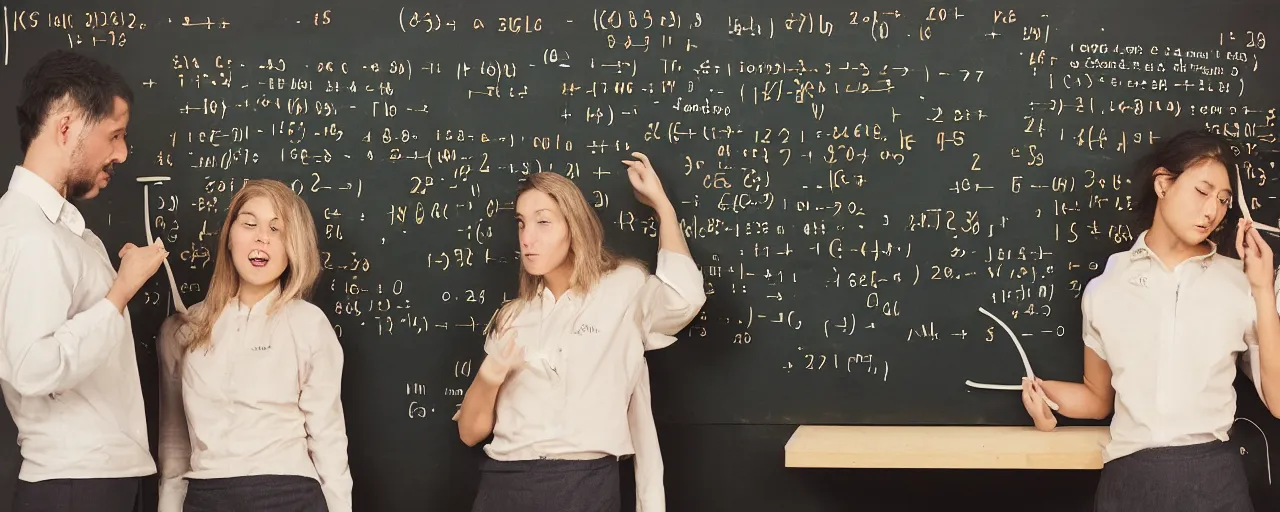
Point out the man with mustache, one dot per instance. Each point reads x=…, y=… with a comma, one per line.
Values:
x=68, y=369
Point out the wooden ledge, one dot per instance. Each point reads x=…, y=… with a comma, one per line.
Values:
x=958, y=447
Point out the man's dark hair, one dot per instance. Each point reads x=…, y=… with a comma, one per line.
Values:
x=1176, y=155
x=89, y=84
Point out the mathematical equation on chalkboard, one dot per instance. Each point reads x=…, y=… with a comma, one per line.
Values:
x=851, y=181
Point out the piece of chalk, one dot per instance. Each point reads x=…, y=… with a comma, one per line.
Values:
x=146, y=221
x=1009, y=387
x=1047, y=401
x=1026, y=364
x=1244, y=207
x=153, y=179
x=1006, y=387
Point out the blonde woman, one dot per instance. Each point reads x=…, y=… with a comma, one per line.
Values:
x=564, y=387
x=251, y=415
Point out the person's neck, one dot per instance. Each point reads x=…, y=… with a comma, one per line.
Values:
x=558, y=280
x=250, y=295
x=1169, y=249
x=48, y=170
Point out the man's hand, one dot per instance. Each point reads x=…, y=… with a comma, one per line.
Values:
x=137, y=265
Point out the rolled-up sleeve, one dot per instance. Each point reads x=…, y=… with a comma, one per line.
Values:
x=46, y=350
x=671, y=298
x=321, y=404
x=175, y=439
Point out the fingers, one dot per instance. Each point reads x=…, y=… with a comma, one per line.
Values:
x=1251, y=242
x=1028, y=404
x=1034, y=401
x=1041, y=409
x=643, y=158
x=1240, y=236
x=157, y=250
x=512, y=352
x=1035, y=408
x=1049, y=406
x=635, y=172
x=1027, y=401
x=1255, y=240
x=508, y=354
x=636, y=178
x=637, y=167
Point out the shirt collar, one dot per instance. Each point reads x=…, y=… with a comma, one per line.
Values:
x=1140, y=250
x=262, y=305
x=50, y=201
x=550, y=298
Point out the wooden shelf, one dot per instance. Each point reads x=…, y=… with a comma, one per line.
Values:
x=958, y=447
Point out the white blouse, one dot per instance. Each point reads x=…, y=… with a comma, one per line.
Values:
x=1172, y=339
x=264, y=398
x=583, y=391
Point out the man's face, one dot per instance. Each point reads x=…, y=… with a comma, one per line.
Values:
x=98, y=147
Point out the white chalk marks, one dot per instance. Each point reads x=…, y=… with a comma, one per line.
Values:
x=146, y=221
x=1244, y=207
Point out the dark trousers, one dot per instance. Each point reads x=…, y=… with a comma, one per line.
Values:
x=549, y=486
x=1205, y=477
x=258, y=493
x=77, y=495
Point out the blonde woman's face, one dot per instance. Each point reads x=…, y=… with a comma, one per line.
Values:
x=257, y=243
x=544, y=233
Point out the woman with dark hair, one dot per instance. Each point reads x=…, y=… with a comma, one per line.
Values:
x=1163, y=326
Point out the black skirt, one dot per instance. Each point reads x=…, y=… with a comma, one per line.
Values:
x=1196, y=478
x=549, y=486
x=77, y=495
x=258, y=493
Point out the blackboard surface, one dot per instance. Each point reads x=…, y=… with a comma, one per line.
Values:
x=856, y=180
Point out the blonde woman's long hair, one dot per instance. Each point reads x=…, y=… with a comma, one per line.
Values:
x=591, y=259
x=299, y=275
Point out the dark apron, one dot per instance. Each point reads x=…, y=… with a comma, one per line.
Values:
x=258, y=493
x=1205, y=477
x=549, y=486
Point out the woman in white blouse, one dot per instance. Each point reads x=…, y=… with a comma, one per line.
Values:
x=1163, y=326
x=251, y=415
x=564, y=387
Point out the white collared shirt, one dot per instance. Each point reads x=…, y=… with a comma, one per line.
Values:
x=263, y=398
x=1171, y=338
x=583, y=391
x=68, y=367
